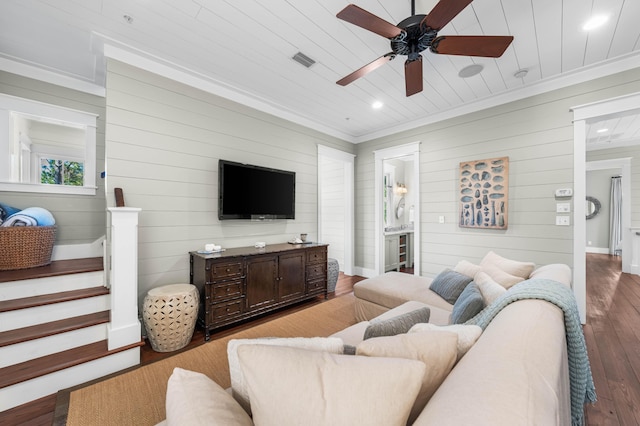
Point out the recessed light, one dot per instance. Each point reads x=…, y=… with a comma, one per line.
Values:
x=470, y=70
x=602, y=130
x=595, y=22
x=377, y=105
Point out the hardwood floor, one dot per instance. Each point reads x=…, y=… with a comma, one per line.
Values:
x=611, y=332
x=613, y=340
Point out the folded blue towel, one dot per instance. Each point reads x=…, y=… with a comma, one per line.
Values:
x=31, y=216
x=6, y=211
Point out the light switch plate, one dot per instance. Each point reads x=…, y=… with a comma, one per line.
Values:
x=563, y=221
x=440, y=219
x=563, y=207
x=564, y=192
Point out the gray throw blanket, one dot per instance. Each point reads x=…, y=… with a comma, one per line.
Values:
x=581, y=381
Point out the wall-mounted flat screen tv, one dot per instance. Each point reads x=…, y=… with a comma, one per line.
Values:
x=252, y=192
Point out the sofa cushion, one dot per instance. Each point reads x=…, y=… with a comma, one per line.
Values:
x=449, y=284
x=512, y=267
x=194, y=399
x=438, y=350
x=503, y=278
x=467, y=268
x=554, y=271
x=395, y=288
x=468, y=304
x=489, y=289
x=292, y=386
x=467, y=334
x=396, y=325
x=238, y=382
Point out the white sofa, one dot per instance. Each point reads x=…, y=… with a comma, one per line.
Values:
x=515, y=373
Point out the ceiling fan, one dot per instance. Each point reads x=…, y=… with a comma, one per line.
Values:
x=417, y=33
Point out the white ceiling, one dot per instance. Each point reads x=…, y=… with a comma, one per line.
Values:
x=244, y=49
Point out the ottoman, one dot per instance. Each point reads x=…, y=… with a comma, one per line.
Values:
x=169, y=315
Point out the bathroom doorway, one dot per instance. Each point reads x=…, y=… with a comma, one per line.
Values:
x=397, y=214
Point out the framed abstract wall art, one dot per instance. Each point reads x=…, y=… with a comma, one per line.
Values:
x=484, y=193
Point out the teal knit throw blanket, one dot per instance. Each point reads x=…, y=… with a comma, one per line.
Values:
x=581, y=381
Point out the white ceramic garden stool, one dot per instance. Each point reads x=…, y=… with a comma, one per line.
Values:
x=169, y=315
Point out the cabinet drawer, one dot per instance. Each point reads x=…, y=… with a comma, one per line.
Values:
x=317, y=256
x=316, y=271
x=226, y=290
x=316, y=286
x=222, y=311
x=225, y=270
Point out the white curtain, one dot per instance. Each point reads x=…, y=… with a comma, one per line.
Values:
x=615, y=217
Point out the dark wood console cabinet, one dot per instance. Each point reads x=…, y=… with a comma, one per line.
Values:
x=241, y=283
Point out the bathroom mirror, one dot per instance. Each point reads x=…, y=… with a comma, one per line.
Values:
x=592, y=207
x=46, y=148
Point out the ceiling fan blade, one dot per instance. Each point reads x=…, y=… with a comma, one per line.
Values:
x=366, y=69
x=487, y=46
x=443, y=12
x=413, y=76
x=368, y=21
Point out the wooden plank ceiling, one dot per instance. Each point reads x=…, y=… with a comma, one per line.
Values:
x=246, y=46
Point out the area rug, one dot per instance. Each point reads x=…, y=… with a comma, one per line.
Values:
x=138, y=397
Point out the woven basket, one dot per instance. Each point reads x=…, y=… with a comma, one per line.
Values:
x=23, y=247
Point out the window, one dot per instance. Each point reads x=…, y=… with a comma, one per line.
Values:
x=61, y=172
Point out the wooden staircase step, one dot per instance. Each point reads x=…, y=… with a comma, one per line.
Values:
x=24, y=334
x=28, y=370
x=48, y=299
x=56, y=268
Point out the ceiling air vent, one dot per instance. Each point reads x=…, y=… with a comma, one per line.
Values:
x=303, y=59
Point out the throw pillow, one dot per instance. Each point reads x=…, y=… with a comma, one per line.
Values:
x=501, y=277
x=467, y=334
x=468, y=305
x=238, y=383
x=512, y=267
x=194, y=399
x=489, y=289
x=449, y=284
x=467, y=268
x=438, y=351
x=396, y=325
x=292, y=386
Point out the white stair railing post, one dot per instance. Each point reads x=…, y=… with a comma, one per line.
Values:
x=124, y=327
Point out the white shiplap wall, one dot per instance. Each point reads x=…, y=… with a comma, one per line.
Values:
x=537, y=135
x=163, y=143
x=80, y=219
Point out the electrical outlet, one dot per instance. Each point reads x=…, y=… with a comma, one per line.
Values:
x=563, y=207
x=440, y=219
x=562, y=221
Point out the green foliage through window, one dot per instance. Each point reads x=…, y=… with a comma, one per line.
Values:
x=61, y=172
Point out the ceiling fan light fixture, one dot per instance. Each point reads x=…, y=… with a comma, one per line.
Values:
x=470, y=70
